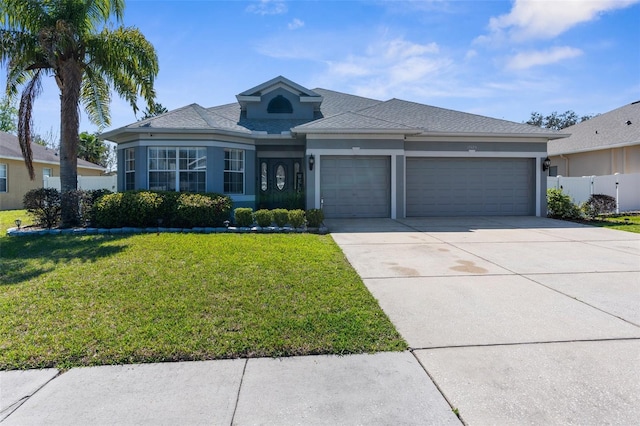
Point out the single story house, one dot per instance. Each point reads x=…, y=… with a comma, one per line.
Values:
x=283, y=145
x=604, y=145
x=14, y=177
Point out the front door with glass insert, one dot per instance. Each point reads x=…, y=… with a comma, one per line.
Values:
x=280, y=183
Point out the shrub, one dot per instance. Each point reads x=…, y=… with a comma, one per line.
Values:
x=132, y=208
x=560, y=206
x=263, y=217
x=280, y=217
x=200, y=210
x=87, y=200
x=314, y=218
x=296, y=218
x=598, y=204
x=44, y=204
x=243, y=216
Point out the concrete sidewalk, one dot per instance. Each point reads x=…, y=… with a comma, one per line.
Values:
x=384, y=388
x=511, y=321
x=518, y=320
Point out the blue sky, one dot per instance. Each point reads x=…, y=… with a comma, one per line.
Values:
x=502, y=59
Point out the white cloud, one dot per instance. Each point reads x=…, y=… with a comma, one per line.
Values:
x=544, y=19
x=295, y=24
x=267, y=7
x=530, y=59
x=389, y=67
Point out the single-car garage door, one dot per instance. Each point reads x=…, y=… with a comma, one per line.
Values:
x=470, y=186
x=355, y=186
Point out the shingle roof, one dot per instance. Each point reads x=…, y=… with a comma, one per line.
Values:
x=440, y=120
x=339, y=112
x=10, y=148
x=603, y=131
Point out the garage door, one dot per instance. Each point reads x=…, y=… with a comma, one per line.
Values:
x=355, y=186
x=470, y=186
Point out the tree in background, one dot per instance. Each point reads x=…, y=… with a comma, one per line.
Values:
x=8, y=115
x=75, y=42
x=92, y=149
x=156, y=109
x=557, y=121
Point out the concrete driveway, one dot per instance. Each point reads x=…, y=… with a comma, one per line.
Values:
x=515, y=319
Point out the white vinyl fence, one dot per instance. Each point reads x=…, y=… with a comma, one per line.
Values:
x=625, y=188
x=86, y=182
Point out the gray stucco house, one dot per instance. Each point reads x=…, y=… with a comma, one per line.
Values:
x=283, y=145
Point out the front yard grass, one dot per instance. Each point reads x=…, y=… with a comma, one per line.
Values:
x=73, y=301
x=629, y=223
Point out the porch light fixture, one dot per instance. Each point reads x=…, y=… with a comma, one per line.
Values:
x=18, y=222
x=312, y=161
x=546, y=164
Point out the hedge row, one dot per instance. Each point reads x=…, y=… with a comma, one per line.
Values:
x=245, y=217
x=45, y=205
x=166, y=209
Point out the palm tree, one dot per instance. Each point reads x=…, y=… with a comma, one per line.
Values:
x=72, y=40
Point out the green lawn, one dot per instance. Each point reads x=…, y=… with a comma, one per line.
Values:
x=70, y=301
x=630, y=223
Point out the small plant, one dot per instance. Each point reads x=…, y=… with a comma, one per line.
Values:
x=45, y=205
x=243, y=216
x=263, y=217
x=314, y=218
x=560, y=206
x=598, y=204
x=296, y=218
x=280, y=217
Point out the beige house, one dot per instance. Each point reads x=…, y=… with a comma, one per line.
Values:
x=607, y=144
x=14, y=177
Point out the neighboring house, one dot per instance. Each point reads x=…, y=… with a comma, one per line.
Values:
x=604, y=145
x=14, y=177
x=283, y=145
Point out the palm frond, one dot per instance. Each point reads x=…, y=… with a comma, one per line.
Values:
x=96, y=97
x=128, y=61
x=31, y=91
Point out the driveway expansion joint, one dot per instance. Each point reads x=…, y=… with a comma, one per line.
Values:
x=235, y=408
x=488, y=345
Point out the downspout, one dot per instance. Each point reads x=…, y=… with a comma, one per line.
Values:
x=566, y=165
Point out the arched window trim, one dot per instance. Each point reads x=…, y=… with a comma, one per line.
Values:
x=280, y=105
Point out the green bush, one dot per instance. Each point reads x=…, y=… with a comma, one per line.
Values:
x=201, y=210
x=44, y=204
x=296, y=218
x=560, y=206
x=88, y=200
x=243, y=216
x=167, y=209
x=314, y=218
x=598, y=204
x=263, y=217
x=280, y=217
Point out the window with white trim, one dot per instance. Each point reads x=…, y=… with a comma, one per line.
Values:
x=3, y=178
x=177, y=169
x=129, y=169
x=47, y=172
x=234, y=171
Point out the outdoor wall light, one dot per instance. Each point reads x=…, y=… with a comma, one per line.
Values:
x=546, y=163
x=312, y=161
x=18, y=222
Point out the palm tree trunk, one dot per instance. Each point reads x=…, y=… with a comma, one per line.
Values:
x=69, y=83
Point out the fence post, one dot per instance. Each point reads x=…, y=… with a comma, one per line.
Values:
x=558, y=186
x=617, y=197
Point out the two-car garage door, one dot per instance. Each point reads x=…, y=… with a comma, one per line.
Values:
x=359, y=186
x=470, y=186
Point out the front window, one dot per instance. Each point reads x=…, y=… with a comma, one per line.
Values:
x=234, y=171
x=3, y=178
x=129, y=169
x=177, y=169
x=47, y=172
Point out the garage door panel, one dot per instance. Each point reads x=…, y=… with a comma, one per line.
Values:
x=467, y=186
x=355, y=186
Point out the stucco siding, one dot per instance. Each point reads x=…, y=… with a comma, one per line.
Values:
x=19, y=183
